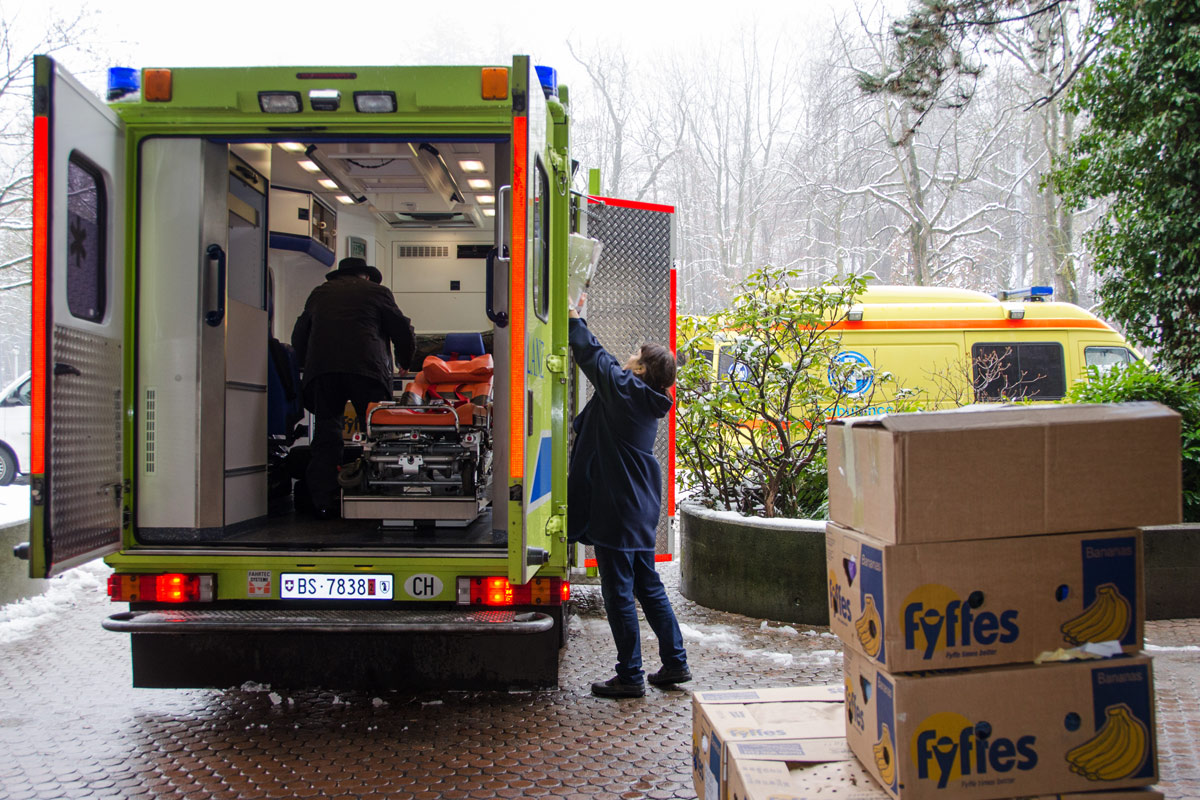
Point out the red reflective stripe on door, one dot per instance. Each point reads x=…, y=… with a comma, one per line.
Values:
x=41, y=283
x=516, y=383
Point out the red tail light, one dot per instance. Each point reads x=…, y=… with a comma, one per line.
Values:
x=497, y=591
x=169, y=588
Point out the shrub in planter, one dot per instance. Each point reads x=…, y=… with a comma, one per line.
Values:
x=751, y=438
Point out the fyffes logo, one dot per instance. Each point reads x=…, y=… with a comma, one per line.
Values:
x=839, y=604
x=852, y=373
x=948, y=747
x=934, y=618
x=855, y=714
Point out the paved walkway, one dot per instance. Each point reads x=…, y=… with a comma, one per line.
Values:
x=70, y=726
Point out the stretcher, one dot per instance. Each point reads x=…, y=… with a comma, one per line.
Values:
x=427, y=456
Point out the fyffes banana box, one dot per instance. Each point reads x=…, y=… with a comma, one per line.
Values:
x=977, y=603
x=1005, y=731
x=798, y=722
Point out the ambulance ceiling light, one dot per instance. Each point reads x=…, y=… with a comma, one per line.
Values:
x=345, y=199
x=471, y=166
x=311, y=152
x=485, y=199
x=325, y=99
x=479, y=183
x=308, y=166
x=375, y=102
x=279, y=102
x=327, y=183
x=489, y=212
x=292, y=147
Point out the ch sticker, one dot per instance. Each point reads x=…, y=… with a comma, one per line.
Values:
x=423, y=587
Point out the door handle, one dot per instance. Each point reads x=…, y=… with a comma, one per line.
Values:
x=215, y=253
x=66, y=369
x=500, y=318
x=501, y=227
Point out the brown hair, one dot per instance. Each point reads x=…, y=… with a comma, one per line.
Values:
x=659, y=365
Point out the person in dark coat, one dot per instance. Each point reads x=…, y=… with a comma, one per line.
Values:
x=345, y=340
x=614, y=492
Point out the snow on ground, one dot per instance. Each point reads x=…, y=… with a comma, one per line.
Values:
x=22, y=618
x=14, y=504
x=725, y=638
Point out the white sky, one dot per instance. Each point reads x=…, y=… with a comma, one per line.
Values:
x=145, y=33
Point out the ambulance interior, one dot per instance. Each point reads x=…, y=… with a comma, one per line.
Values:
x=222, y=453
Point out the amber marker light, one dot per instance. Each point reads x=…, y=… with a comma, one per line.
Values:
x=156, y=85
x=495, y=83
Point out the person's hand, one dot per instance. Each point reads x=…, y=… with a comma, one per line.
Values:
x=573, y=312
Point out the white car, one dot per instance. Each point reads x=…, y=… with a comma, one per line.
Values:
x=14, y=429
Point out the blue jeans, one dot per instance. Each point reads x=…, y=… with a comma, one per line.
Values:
x=624, y=576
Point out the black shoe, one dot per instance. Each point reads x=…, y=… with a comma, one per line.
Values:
x=669, y=677
x=615, y=687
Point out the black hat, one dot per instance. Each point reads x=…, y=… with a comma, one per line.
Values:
x=355, y=266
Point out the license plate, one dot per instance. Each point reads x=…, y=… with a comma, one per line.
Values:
x=334, y=586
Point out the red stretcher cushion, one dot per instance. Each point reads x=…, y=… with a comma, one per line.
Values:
x=478, y=370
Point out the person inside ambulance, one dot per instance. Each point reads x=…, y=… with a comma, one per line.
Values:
x=344, y=340
x=614, y=493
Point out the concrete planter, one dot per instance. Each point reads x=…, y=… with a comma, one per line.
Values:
x=1172, y=563
x=15, y=583
x=766, y=568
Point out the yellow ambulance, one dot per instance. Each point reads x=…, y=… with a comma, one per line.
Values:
x=956, y=346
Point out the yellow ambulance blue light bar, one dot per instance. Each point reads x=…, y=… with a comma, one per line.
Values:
x=375, y=102
x=279, y=102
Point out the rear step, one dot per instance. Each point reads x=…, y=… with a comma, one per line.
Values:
x=287, y=620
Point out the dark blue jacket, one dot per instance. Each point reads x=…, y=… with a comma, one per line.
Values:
x=614, y=487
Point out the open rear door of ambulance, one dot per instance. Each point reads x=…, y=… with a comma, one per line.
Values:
x=525, y=393
x=76, y=481
x=632, y=300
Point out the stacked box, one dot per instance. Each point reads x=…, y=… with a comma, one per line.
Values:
x=791, y=744
x=966, y=544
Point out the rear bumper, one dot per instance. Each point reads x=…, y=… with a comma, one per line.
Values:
x=330, y=621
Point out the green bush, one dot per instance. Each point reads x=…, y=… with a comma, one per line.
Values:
x=751, y=435
x=1141, y=382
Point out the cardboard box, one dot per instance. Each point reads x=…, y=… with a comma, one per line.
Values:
x=978, y=603
x=848, y=780
x=813, y=716
x=986, y=472
x=1004, y=731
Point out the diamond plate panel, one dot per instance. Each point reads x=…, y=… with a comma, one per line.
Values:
x=629, y=301
x=84, y=470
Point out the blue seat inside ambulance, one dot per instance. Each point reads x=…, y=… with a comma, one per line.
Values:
x=462, y=347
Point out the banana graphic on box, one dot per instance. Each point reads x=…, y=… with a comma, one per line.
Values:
x=1106, y=619
x=885, y=758
x=1117, y=751
x=869, y=627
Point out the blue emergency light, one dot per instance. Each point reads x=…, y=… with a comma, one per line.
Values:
x=548, y=77
x=122, y=81
x=1031, y=293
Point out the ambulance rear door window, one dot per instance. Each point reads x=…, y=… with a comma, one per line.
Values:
x=1008, y=370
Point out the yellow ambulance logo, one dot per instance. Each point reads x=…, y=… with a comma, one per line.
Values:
x=1106, y=619
x=1117, y=751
